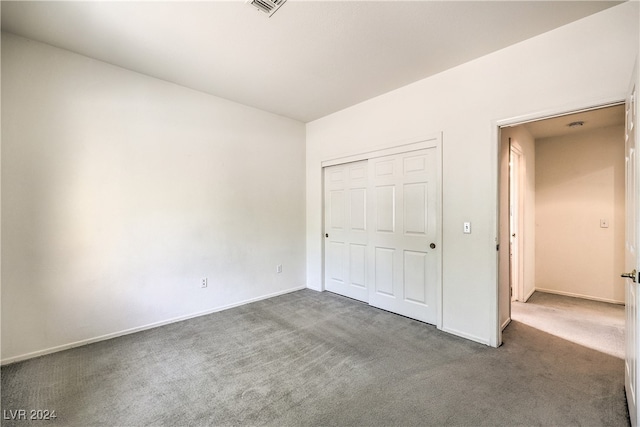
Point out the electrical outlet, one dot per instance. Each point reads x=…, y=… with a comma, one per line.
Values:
x=204, y=282
x=279, y=268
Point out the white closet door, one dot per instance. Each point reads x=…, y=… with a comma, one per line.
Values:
x=403, y=273
x=346, y=237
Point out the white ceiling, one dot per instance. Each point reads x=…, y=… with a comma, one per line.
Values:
x=309, y=59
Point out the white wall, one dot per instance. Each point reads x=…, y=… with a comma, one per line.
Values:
x=579, y=181
x=120, y=191
x=583, y=63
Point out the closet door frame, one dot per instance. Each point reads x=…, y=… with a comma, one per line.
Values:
x=406, y=146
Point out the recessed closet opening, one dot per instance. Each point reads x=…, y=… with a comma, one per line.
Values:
x=382, y=228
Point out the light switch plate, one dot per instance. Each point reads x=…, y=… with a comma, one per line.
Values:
x=604, y=223
x=466, y=228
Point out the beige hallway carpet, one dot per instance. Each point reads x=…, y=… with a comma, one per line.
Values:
x=593, y=324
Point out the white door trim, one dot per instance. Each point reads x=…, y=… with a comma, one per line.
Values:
x=399, y=147
x=558, y=112
x=517, y=180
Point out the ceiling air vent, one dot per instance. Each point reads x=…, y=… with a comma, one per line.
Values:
x=268, y=7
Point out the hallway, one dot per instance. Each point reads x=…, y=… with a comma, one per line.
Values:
x=593, y=324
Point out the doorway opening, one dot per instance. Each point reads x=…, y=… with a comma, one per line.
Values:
x=562, y=220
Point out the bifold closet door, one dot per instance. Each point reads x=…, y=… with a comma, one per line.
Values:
x=403, y=242
x=346, y=233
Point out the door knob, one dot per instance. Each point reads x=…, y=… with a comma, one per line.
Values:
x=631, y=275
x=432, y=246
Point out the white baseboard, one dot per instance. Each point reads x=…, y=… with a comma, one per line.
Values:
x=466, y=336
x=526, y=298
x=58, y=348
x=505, y=324
x=574, y=295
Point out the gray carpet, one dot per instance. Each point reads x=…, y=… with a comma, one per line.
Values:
x=594, y=324
x=309, y=358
